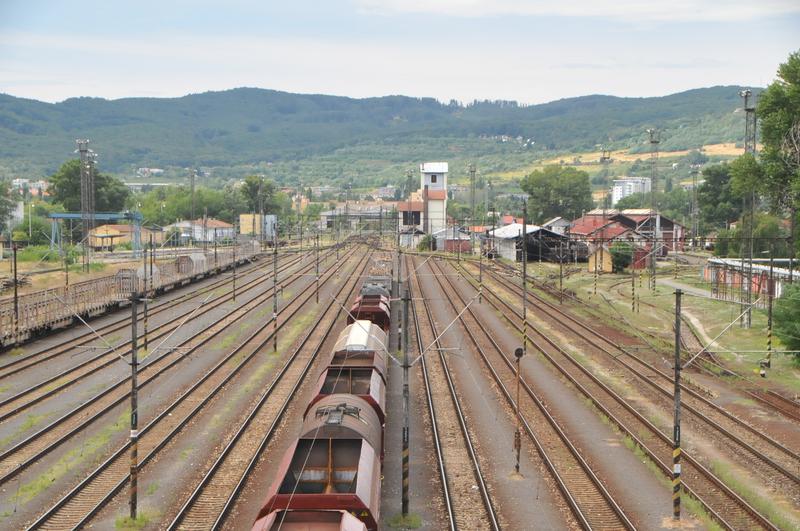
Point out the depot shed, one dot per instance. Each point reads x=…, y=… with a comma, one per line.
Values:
x=542, y=243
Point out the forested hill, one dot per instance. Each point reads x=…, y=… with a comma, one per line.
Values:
x=249, y=126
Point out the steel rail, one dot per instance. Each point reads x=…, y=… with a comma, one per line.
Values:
x=484, y=491
x=116, y=465
x=23, y=456
x=694, y=471
x=585, y=510
x=34, y=358
x=57, y=383
x=565, y=321
x=228, y=457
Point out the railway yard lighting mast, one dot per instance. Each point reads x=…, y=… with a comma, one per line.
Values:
x=655, y=221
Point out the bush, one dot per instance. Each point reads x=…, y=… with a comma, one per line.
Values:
x=621, y=256
x=786, y=318
x=427, y=243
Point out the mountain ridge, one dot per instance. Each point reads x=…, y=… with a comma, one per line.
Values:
x=249, y=125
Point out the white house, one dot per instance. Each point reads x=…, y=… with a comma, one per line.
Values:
x=629, y=186
x=202, y=230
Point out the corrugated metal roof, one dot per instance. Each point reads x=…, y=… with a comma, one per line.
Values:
x=433, y=167
x=513, y=231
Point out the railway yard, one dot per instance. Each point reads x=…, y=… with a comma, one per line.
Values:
x=269, y=393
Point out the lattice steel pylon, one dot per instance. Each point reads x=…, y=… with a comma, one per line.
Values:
x=655, y=220
x=87, y=159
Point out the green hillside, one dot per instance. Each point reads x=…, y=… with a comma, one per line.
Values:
x=317, y=137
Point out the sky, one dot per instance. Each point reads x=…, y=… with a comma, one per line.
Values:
x=532, y=51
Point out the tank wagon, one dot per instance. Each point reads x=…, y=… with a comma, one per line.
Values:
x=330, y=477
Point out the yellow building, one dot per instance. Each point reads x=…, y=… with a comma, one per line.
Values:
x=602, y=257
x=110, y=235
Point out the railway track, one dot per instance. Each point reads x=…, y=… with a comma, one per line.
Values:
x=87, y=498
x=726, y=507
x=26, y=452
x=19, y=364
x=210, y=502
x=59, y=382
x=591, y=503
x=460, y=468
x=756, y=444
x=712, y=366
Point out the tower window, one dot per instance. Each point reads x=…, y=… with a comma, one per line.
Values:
x=433, y=178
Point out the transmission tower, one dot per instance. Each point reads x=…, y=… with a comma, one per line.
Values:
x=655, y=219
x=695, y=206
x=87, y=196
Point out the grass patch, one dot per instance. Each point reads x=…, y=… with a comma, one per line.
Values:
x=185, y=453
x=761, y=504
x=126, y=522
x=90, y=446
x=151, y=488
x=31, y=421
x=228, y=340
x=409, y=521
x=4, y=388
x=55, y=384
x=17, y=351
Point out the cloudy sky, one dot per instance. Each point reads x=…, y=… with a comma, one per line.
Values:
x=532, y=51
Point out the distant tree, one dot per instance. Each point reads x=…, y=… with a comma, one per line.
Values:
x=258, y=193
x=696, y=157
x=557, y=191
x=779, y=120
x=786, y=318
x=718, y=203
x=65, y=188
x=6, y=205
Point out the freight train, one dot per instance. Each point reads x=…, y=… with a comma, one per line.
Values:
x=330, y=477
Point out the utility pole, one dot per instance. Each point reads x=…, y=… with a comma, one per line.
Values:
x=767, y=363
x=316, y=253
x=16, y=294
x=518, y=354
x=480, y=271
x=192, y=177
x=560, y=271
x=748, y=210
x=472, y=208
x=275, y=295
x=695, y=208
x=145, y=290
x=134, y=469
x=525, y=278
x=234, y=268
x=676, y=431
x=406, y=406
